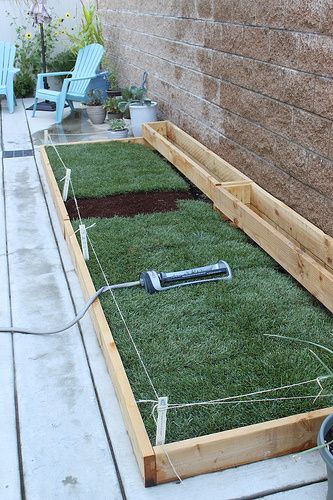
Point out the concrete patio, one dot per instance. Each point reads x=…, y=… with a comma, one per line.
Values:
x=61, y=428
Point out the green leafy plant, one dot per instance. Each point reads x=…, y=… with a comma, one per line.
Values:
x=28, y=51
x=89, y=31
x=95, y=98
x=63, y=61
x=111, y=104
x=118, y=125
x=131, y=95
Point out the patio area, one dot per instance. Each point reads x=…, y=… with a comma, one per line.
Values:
x=61, y=427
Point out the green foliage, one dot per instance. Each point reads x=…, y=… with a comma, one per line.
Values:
x=63, y=61
x=25, y=84
x=28, y=51
x=95, y=98
x=118, y=125
x=207, y=341
x=111, y=168
x=133, y=94
x=111, y=104
x=89, y=31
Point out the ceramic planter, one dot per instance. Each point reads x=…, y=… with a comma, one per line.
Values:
x=141, y=113
x=326, y=454
x=119, y=134
x=96, y=114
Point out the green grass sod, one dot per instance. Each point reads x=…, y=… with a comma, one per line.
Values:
x=100, y=170
x=207, y=341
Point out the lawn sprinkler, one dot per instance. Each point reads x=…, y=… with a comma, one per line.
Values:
x=152, y=282
x=158, y=282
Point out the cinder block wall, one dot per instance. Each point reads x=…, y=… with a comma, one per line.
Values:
x=251, y=79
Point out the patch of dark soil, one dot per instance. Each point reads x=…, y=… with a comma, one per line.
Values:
x=128, y=204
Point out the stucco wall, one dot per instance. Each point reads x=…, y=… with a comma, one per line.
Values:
x=252, y=79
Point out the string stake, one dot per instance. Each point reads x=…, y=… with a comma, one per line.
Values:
x=67, y=180
x=84, y=241
x=162, y=408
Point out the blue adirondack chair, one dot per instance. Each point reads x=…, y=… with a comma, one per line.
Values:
x=7, y=73
x=74, y=89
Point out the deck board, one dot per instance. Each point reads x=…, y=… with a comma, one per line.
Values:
x=9, y=468
x=61, y=428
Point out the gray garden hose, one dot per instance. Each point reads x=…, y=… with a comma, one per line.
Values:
x=14, y=329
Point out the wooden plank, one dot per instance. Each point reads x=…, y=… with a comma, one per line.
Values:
x=241, y=190
x=131, y=140
x=313, y=276
x=9, y=469
x=238, y=446
x=53, y=185
x=193, y=149
x=307, y=234
x=194, y=172
x=133, y=420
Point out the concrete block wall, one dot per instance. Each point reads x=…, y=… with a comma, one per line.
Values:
x=251, y=79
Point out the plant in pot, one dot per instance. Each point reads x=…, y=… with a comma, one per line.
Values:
x=95, y=107
x=141, y=109
x=118, y=129
x=113, y=90
x=111, y=107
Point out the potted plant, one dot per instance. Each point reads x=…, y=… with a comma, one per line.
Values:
x=118, y=129
x=113, y=90
x=95, y=107
x=111, y=107
x=141, y=109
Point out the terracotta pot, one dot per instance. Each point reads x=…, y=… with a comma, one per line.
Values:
x=96, y=114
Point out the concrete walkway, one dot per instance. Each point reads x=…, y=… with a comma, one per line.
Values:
x=61, y=428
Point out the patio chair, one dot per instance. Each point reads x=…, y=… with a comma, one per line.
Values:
x=7, y=73
x=73, y=89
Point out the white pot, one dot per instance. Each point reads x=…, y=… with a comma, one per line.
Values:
x=119, y=134
x=96, y=114
x=141, y=114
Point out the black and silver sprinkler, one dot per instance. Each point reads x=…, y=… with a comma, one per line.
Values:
x=152, y=282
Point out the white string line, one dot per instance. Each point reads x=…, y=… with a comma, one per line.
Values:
x=234, y=399
x=70, y=180
x=75, y=201
x=250, y=393
x=122, y=317
x=57, y=153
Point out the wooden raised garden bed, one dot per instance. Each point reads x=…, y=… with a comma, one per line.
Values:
x=297, y=245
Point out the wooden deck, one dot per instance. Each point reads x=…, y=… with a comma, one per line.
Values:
x=60, y=424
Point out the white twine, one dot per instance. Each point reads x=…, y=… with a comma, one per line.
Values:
x=123, y=318
x=236, y=399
